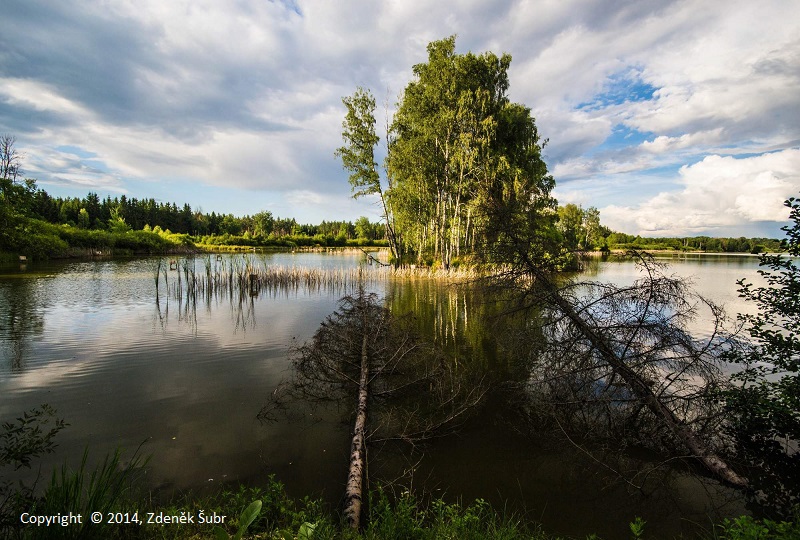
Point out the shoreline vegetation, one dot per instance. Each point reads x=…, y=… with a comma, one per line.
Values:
x=110, y=501
x=37, y=226
x=113, y=491
x=40, y=240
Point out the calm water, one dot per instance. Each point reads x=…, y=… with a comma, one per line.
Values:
x=89, y=339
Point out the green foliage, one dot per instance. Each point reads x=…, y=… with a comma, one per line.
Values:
x=570, y=224
x=765, y=405
x=637, y=527
x=263, y=223
x=461, y=152
x=622, y=241
x=358, y=155
x=401, y=519
x=118, y=225
x=245, y=519
x=104, y=489
x=84, y=222
x=748, y=528
x=143, y=241
x=22, y=440
x=39, y=246
x=16, y=198
x=30, y=436
x=581, y=229
x=306, y=531
x=409, y=518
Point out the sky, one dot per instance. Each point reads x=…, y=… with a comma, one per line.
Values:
x=673, y=118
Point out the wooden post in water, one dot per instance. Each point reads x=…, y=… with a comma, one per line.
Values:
x=253, y=284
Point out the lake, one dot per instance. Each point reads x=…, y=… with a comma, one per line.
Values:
x=186, y=380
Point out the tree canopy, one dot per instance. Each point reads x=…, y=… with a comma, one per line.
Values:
x=457, y=149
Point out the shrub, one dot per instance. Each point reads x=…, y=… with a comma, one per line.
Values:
x=42, y=246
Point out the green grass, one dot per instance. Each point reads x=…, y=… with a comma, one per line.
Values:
x=109, y=489
x=80, y=491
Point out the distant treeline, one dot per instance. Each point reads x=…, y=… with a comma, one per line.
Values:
x=92, y=212
x=695, y=243
x=39, y=226
x=56, y=226
x=581, y=230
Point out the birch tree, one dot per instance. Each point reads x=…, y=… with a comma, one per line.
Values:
x=441, y=135
x=10, y=160
x=402, y=387
x=16, y=196
x=456, y=147
x=358, y=157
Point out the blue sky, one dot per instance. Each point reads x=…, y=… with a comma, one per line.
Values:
x=671, y=117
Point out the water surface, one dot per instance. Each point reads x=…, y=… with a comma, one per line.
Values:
x=186, y=381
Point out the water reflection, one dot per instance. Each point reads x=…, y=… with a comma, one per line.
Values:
x=189, y=373
x=21, y=322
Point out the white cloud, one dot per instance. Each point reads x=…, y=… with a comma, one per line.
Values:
x=663, y=143
x=738, y=71
x=305, y=197
x=718, y=193
x=27, y=94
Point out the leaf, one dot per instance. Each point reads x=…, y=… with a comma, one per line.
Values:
x=306, y=531
x=220, y=533
x=248, y=516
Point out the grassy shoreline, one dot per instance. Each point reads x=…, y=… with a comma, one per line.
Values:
x=128, y=514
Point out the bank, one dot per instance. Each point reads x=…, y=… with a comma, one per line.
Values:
x=270, y=513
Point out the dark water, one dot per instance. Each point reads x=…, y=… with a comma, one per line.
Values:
x=186, y=382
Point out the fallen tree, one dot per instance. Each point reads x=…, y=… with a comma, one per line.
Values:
x=623, y=352
x=404, y=388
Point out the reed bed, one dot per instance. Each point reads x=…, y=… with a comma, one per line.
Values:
x=246, y=275
x=439, y=274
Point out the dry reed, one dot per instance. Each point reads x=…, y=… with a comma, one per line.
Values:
x=245, y=275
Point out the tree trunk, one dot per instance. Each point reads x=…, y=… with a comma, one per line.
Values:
x=389, y=226
x=353, y=492
x=642, y=390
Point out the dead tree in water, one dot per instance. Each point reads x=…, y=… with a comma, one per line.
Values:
x=404, y=389
x=622, y=356
x=353, y=491
x=624, y=351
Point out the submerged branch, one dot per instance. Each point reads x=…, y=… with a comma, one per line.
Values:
x=403, y=387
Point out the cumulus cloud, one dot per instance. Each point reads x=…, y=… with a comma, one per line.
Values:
x=664, y=143
x=717, y=193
